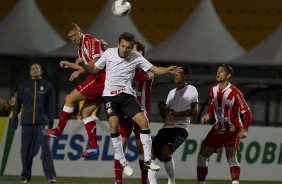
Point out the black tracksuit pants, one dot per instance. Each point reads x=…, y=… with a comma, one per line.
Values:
x=30, y=137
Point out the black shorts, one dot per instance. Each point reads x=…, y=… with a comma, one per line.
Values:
x=122, y=104
x=172, y=137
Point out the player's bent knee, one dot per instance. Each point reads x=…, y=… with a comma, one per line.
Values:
x=86, y=113
x=206, y=151
x=165, y=152
x=202, y=161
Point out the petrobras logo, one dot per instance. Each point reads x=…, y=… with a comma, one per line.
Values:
x=251, y=152
x=70, y=146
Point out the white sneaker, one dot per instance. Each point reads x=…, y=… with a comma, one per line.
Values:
x=127, y=170
x=201, y=182
x=151, y=164
x=235, y=182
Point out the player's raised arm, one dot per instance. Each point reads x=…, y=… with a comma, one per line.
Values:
x=88, y=68
x=163, y=70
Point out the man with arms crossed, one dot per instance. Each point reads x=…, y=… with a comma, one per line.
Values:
x=120, y=98
x=180, y=105
x=90, y=90
x=227, y=103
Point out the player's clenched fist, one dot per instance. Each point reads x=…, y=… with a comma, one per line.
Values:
x=64, y=64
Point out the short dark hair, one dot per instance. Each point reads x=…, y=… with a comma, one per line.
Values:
x=129, y=37
x=140, y=47
x=186, y=69
x=228, y=69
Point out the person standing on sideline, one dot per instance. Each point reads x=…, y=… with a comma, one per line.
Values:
x=120, y=98
x=180, y=105
x=142, y=84
x=227, y=103
x=90, y=90
x=36, y=99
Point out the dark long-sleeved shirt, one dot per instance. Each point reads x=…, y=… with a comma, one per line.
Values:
x=37, y=98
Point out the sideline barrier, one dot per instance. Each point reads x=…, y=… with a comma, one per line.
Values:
x=260, y=154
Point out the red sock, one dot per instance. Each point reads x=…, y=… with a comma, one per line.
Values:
x=91, y=132
x=118, y=172
x=64, y=117
x=235, y=173
x=144, y=173
x=202, y=172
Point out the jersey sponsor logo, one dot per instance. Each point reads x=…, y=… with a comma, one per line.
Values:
x=118, y=91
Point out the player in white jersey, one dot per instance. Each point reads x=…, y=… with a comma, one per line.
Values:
x=119, y=96
x=181, y=104
x=142, y=84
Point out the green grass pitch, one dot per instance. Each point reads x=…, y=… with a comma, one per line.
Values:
x=71, y=180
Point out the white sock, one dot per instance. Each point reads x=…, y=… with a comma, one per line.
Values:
x=68, y=109
x=235, y=182
x=170, y=170
x=147, y=145
x=152, y=177
x=118, y=150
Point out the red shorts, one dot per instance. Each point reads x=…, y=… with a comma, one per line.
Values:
x=216, y=139
x=92, y=88
x=126, y=126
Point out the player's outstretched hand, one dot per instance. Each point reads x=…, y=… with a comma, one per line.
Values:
x=243, y=134
x=64, y=64
x=172, y=69
x=179, y=69
x=205, y=118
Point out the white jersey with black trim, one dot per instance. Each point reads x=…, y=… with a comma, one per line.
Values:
x=180, y=100
x=119, y=71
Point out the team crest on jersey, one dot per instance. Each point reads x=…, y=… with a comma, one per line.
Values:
x=228, y=102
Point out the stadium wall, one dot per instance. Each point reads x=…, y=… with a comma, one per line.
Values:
x=260, y=154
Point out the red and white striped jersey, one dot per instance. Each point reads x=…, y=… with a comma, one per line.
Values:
x=89, y=49
x=142, y=84
x=226, y=105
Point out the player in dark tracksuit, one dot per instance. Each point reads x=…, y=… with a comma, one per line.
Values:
x=36, y=102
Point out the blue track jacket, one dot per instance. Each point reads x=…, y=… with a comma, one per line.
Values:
x=36, y=98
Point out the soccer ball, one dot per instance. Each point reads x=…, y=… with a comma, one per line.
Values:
x=121, y=7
